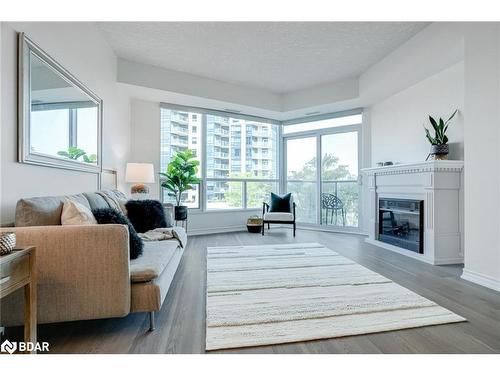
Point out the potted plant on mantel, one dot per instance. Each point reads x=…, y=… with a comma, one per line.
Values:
x=439, y=143
x=180, y=177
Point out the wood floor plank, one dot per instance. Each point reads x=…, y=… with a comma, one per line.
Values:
x=181, y=321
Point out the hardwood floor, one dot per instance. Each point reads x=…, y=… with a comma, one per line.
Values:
x=181, y=322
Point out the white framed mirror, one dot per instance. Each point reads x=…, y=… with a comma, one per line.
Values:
x=60, y=119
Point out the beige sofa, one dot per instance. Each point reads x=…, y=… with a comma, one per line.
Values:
x=84, y=272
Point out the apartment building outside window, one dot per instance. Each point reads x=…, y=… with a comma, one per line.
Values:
x=238, y=156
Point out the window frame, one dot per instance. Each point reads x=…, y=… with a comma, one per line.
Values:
x=203, y=202
x=318, y=133
x=281, y=178
x=71, y=108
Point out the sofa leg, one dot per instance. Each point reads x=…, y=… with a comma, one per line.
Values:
x=151, y=321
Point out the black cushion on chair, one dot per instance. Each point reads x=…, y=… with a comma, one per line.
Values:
x=281, y=203
x=111, y=216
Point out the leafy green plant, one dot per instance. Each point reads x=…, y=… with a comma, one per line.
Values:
x=92, y=158
x=181, y=174
x=75, y=153
x=440, y=128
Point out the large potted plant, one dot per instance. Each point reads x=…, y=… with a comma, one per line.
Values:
x=180, y=177
x=439, y=142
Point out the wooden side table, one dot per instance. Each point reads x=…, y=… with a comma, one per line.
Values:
x=18, y=270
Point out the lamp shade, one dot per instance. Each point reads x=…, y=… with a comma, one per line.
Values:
x=140, y=172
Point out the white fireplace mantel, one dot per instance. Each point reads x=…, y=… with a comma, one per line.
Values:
x=439, y=184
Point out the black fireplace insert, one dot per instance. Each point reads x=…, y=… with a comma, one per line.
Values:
x=401, y=223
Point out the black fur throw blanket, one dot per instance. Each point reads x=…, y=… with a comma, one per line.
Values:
x=111, y=216
x=146, y=215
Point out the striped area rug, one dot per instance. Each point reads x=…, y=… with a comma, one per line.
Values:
x=272, y=294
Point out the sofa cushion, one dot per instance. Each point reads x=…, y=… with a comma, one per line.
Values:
x=40, y=211
x=146, y=214
x=74, y=213
x=278, y=216
x=96, y=201
x=281, y=203
x=154, y=260
x=115, y=199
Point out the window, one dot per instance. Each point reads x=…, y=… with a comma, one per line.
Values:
x=323, y=124
x=234, y=148
x=234, y=173
x=177, y=133
x=57, y=127
x=322, y=170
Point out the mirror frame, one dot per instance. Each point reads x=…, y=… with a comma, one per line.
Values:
x=25, y=47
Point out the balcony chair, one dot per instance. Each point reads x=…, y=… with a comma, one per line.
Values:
x=278, y=217
x=333, y=203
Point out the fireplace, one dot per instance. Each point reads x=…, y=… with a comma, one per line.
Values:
x=401, y=223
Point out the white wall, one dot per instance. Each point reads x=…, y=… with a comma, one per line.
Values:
x=437, y=47
x=80, y=48
x=167, y=80
x=397, y=122
x=145, y=134
x=444, y=67
x=482, y=154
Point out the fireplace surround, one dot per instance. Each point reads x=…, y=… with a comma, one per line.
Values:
x=437, y=185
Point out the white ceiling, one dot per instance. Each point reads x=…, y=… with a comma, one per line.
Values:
x=280, y=57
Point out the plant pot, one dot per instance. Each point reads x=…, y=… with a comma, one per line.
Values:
x=180, y=212
x=439, y=152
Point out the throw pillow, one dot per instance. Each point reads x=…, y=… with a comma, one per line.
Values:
x=111, y=216
x=280, y=203
x=146, y=215
x=74, y=213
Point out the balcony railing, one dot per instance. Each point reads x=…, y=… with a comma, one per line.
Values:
x=221, y=166
x=305, y=195
x=180, y=118
x=179, y=141
x=220, y=131
x=261, y=133
x=221, y=143
x=183, y=130
x=221, y=155
x=262, y=144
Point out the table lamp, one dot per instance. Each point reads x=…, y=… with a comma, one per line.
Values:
x=140, y=174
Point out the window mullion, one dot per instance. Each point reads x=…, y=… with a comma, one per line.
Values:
x=203, y=187
x=244, y=193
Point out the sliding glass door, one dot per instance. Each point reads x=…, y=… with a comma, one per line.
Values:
x=322, y=174
x=339, y=179
x=301, y=174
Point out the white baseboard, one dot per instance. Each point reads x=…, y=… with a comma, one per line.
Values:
x=332, y=230
x=243, y=228
x=217, y=230
x=480, y=279
x=448, y=261
x=411, y=254
x=399, y=250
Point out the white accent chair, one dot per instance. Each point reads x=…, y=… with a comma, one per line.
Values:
x=278, y=217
